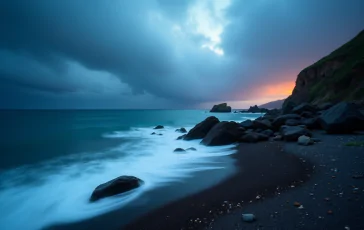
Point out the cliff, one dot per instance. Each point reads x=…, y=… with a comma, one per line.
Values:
x=336, y=77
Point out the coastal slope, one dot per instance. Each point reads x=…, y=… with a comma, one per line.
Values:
x=336, y=77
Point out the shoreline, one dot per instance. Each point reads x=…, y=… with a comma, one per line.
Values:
x=278, y=171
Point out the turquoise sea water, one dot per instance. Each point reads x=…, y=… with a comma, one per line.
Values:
x=50, y=161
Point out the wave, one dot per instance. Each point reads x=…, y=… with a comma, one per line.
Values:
x=58, y=191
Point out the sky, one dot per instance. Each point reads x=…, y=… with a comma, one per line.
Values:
x=163, y=54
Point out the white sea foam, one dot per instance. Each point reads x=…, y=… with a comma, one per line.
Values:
x=57, y=191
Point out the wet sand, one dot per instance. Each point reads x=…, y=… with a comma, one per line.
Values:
x=264, y=171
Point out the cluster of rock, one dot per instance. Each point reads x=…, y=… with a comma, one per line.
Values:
x=221, y=108
x=256, y=109
x=289, y=124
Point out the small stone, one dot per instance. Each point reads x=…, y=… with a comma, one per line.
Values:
x=358, y=176
x=300, y=207
x=191, y=149
x=329, y=212
x=159, y=127
x=179, y=150
x=296, y=204
x=258, y=197
x=248, y=217
x=327, y=199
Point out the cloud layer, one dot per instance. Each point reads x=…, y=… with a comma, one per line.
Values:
x=161, y=53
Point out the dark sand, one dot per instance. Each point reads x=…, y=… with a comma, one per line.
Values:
x=264, y=171
x=335, y=164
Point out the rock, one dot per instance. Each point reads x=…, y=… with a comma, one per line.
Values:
x=153, y=133
x=277, y=138
x=221, y=108
x=248, y=124
x=223, y=133
x=181, y=137
x=262, y=124
x=253, y=137
x=202, y=128
x=296, y=204
x=191, y=149
x=324, y=106
x=160, y=134
x=288, y=106
x=268, y=132
x=303, y=107
x=159, y=127
x=116, y=186
x=256, y=109
x=292, y=122
x=304, y=140
x=179, y=150
x=307, y=114
x=281, y=120
x=181, y=130
x=248, y=217
x=342, y=118
x=358, y=176
x=292, y=133
x=311, y=123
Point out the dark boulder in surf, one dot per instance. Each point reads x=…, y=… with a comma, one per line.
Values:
x=179, y=150
x=116, y=186
x=223, y=133
x=201, y=129
x=159, y=127
x=181, y=130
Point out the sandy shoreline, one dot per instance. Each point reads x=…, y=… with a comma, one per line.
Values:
x=331, y=188
x=264, y=171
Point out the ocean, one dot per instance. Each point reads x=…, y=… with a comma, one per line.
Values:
x=51, y=160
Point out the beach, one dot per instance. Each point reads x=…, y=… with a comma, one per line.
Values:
x=272, y=177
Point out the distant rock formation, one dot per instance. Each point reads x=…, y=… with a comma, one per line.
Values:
x=256, y=109
x=221, y=108
x=273, y=104
x=335, y=78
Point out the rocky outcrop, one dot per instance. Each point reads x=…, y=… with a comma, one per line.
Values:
x=116, y=186
x=159, y=127
x=256, y=109
x=247, y=124
x=342, y=118
x=221, y=108
x=223, y=133
x=201, y=129
x=336, y=77
x=281, y=120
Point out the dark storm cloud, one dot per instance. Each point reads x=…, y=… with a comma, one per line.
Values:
x=117, y=53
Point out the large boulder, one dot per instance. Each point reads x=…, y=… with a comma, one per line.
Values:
x=324, y=106
x=293, y=122
x=268, y=132
x=253, y=137
x=223, y=133
x=281, y=120
x=262, y=124
x=221, y=108
x=116, y=186
x=247, y=124
x=311, y=123
x=342, y=118
x=201, y=129
x=159, y=127
x=292, y=133
x=303, y=107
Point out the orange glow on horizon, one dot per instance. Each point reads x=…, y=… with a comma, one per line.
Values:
x=283, y=89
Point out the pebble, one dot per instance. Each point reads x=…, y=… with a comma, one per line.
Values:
x=296, y=204
x=248, y=217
